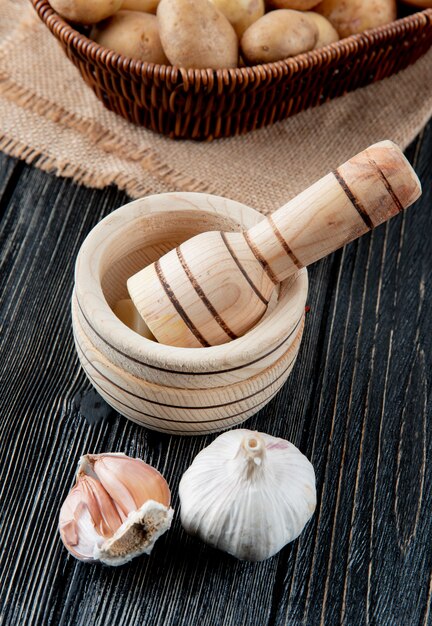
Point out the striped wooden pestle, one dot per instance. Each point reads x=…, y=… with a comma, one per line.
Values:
x=216, y=286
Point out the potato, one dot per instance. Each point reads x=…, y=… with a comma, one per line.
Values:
x=195, y=34
x=358, y=15
x=242, y=13
x=297, y=5
x=86, y=11
x=133, y=34
x=326, y=33
x=149, y=6
x=278, y=35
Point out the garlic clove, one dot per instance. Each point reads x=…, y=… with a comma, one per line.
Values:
x=117, y=509
x=88, y=514
x=248, y=494
x=130, y=482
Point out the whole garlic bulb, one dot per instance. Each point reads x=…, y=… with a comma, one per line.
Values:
x=117, y=509
x=248, y=494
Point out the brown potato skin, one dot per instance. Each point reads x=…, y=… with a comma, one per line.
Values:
x=133, y=34
x=195, y=34
x=326, y=31
x=297, y=5
x=241, y=13
x=86, y=11
x=278, y=35
x=149, y=6
x=354, y=16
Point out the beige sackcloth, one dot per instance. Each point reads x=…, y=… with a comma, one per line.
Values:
x=50, y=118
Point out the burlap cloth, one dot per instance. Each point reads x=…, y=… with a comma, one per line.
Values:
x=50, y=118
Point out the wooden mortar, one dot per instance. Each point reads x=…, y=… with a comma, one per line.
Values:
x=167, y=388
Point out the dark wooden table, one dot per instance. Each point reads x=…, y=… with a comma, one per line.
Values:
x=358, y=404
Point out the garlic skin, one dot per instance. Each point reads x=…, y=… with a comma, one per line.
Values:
x=248, y=494
x=117, y=509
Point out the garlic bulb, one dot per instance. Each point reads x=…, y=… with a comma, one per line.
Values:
x=248, y=493
x=117, y=509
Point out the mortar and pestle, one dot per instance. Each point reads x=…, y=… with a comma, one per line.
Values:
x=226, y=307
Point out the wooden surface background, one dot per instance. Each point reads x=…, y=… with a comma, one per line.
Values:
x=358, y=404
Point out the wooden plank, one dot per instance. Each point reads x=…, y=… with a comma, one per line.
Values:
x=10, y=170
x=356, y=404
x=40, y=377
x=368, y=439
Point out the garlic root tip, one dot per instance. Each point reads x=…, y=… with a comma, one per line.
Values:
x=137, y=535
x=254, y=447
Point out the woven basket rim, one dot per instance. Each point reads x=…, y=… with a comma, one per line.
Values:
x=125, y=65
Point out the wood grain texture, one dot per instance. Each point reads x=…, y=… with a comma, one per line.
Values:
x=107, y=348
x=183, y=411
x=358, y=403
x=134, y=236
x=365, y=191
x=196, y=295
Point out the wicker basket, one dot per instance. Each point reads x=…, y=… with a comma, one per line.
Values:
x=206, y=104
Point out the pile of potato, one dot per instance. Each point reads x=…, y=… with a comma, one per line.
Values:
x=224, y=33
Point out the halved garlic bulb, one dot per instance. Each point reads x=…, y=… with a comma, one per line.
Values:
x=117, y=509
x=248, y=494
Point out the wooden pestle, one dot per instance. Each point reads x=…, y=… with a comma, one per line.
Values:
x=216, y=286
